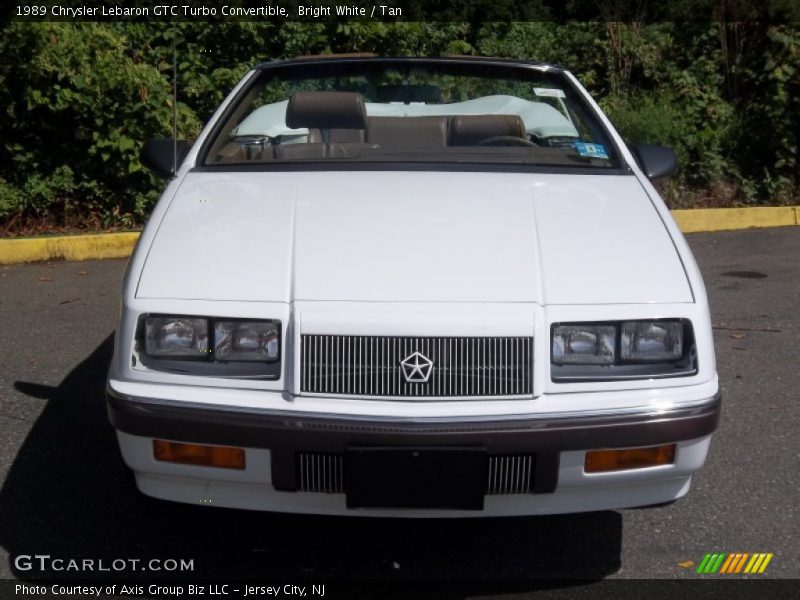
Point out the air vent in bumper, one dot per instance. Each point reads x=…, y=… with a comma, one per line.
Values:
x=323, y=473
x=510, y=474
x=320, y=473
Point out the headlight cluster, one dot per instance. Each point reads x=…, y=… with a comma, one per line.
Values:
x=622, y=350
x=621, y=342
x=217, y=339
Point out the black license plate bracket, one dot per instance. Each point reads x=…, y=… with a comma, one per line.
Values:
x=424, y=477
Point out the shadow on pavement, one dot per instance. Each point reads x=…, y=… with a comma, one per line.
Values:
x=69, y=495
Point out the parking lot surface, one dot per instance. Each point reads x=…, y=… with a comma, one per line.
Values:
x=65, y=491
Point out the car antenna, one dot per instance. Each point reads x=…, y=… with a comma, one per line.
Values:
x=174, y=100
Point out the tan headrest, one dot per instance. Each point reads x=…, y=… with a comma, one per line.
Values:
x=326, y=110
x=468, y=130
x=408, y=132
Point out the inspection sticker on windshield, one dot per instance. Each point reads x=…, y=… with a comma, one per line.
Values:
x=549, y=92
x=591, y=150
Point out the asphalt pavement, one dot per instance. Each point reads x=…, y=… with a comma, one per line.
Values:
x=65, y=491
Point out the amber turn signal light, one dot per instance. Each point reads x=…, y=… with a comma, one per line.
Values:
x=195, y=454
x=598, y=461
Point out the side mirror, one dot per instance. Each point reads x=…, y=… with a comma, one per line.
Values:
x=159, y=156
x=655, y=161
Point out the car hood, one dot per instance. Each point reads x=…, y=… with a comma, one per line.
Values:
x=413, y=236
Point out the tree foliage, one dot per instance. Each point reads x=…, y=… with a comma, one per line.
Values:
x=78, y=99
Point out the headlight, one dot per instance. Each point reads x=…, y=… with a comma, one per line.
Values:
x=212, y=339
x=177, y=337
x=584, y=344
x=658, y=341
x=246, y=340
x=618, y=350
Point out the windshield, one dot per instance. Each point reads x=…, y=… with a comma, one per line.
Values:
x=412, y=111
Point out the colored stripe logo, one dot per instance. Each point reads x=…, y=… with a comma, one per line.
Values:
x=736, y=562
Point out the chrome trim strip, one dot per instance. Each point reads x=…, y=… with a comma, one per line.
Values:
x=604, y=378
x=536, y=420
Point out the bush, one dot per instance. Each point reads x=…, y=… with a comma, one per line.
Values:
x=77, y=109
x=664, y=119
x=79, y=99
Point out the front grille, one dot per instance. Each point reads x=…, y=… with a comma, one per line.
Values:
x=371, y=366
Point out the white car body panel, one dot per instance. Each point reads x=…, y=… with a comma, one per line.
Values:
x=426, y=237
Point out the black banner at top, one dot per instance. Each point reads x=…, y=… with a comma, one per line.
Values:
x=473, y=11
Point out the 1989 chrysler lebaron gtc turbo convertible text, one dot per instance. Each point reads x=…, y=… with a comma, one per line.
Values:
x=413, y=287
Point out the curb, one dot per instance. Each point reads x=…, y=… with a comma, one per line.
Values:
x=120, y=245
x=67, y=247
x=694, y=220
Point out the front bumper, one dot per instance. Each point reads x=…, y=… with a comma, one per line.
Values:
x=275, y=439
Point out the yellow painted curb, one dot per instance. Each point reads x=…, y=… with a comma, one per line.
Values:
x=67, y=247
x=719, y=219
x=120, y=245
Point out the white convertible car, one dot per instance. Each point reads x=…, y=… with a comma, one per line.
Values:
x=412, y=287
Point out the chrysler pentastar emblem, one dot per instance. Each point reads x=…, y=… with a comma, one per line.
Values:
x=417, y=368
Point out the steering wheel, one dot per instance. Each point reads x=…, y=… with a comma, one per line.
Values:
x=506, y=140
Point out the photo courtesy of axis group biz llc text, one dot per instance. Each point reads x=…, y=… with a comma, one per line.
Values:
x=167, y=590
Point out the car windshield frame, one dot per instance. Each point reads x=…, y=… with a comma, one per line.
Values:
x=488, y=159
